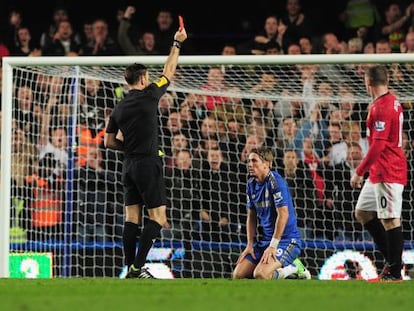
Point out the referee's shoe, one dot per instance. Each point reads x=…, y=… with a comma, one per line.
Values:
x=139, y=273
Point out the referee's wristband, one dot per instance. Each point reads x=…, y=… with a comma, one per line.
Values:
x=177, y=44
x=274, y=243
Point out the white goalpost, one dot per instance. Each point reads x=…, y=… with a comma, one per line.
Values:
x=61, y=191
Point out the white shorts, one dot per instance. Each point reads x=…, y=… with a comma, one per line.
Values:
x=383, y=198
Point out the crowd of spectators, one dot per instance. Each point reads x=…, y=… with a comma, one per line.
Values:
x=291, y=27
x=206, y=138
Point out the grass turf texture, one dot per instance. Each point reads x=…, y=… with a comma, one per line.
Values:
x=202, y=294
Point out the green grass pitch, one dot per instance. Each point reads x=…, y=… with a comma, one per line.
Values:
x=202, y=294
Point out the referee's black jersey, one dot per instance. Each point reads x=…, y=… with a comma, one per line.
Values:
x=136, y=115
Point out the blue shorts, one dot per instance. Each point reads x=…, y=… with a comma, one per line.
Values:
x=286, y=252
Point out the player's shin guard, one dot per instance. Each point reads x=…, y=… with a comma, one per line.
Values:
x=396, y=245
x=150, y=232
x=379, y=235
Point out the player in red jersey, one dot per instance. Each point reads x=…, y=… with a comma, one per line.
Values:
x=379, y=204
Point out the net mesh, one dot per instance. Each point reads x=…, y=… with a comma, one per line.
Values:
x=66, y=187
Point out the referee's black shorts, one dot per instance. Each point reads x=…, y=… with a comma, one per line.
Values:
x=143, y=182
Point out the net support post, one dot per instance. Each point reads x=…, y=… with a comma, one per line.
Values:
x=6, y=132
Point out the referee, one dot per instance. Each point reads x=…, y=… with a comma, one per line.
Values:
x=135, y=118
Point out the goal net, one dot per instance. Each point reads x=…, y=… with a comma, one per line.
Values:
x=61, y=190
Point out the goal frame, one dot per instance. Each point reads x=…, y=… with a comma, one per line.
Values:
x=8, y=63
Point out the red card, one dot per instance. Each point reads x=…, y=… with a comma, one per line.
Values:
x=180, y=22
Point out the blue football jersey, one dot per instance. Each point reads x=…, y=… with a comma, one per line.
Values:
x=265, y=198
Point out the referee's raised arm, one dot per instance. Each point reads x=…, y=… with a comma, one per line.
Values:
x=172, y=60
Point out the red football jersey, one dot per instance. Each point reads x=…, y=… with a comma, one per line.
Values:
x=385, y=122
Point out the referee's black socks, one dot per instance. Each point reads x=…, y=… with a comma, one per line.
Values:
x=150, y=232
x=129, y=241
